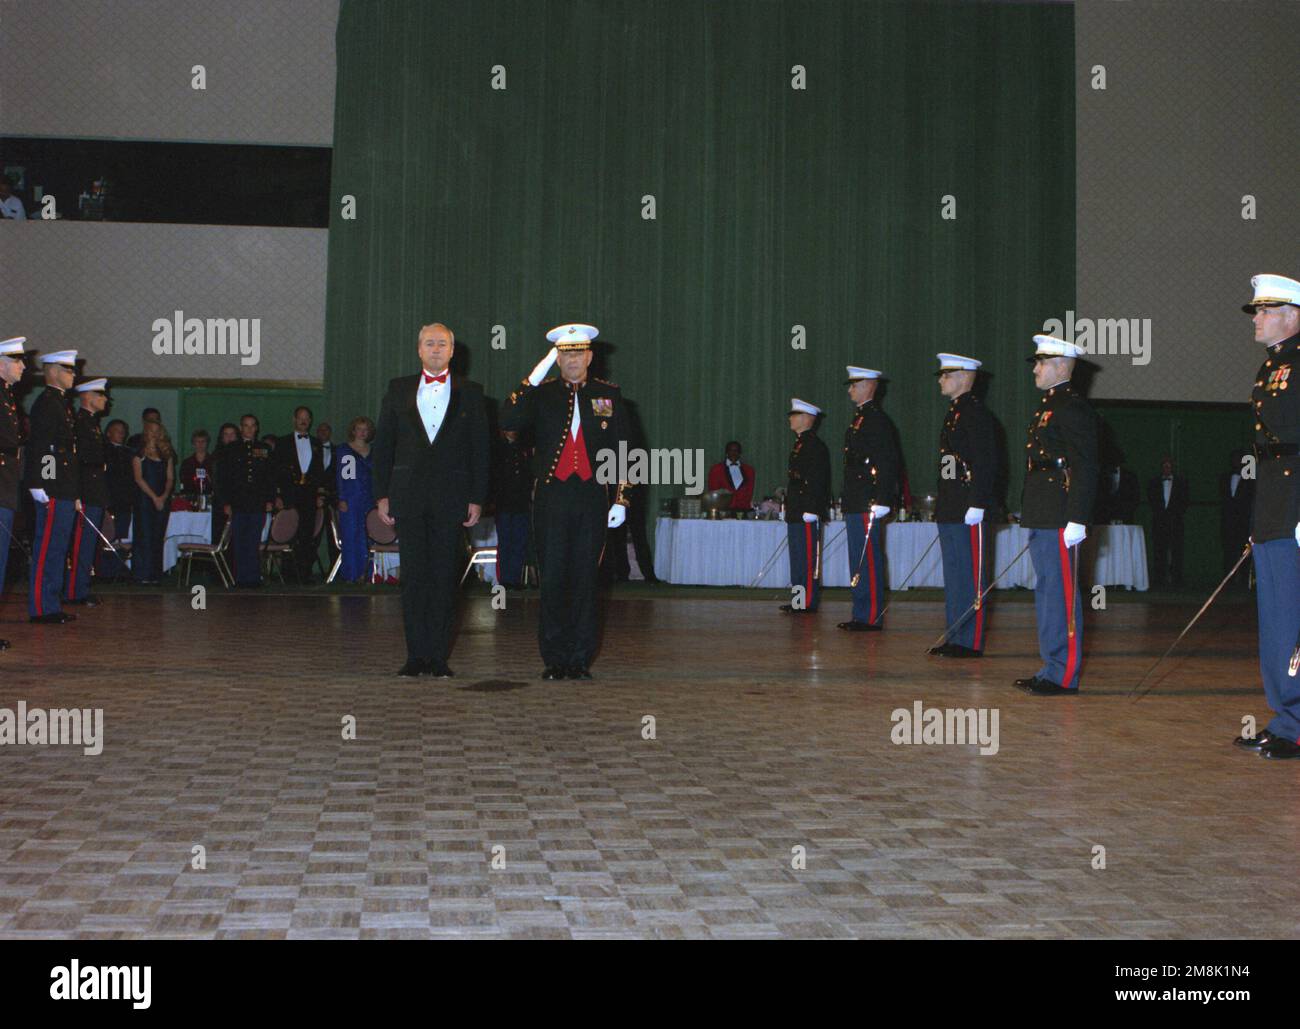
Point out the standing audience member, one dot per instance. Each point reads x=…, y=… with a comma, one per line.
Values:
x=1167, y=495
x=120, y=476
x=226, y=435
x=155, y=475
x=149, y=414
x=733, y=474
x=245, y=488
x=1236, y=499
x=353, y=482
x=196, y=470
x=300, y=478
x=325, y=436
x=513, y=492
x=11, y=208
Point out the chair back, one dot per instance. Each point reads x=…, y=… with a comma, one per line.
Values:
x=378, y=531
x=284, y=526
x=224, y=541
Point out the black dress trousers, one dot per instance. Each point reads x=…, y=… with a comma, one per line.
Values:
x=569, y=522
x=431, y=547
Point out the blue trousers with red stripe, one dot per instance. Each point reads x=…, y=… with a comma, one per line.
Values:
x=805, y=549
x=49, y=552
x=965, y=570
x=6, y=536
x=1277, y=592
x=1056, y=598
x=869, y=593
x=84, y=544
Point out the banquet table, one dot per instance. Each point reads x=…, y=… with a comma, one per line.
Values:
x=731, y=552
x=196, y=527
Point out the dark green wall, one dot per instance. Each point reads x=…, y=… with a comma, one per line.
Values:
x=775, y=207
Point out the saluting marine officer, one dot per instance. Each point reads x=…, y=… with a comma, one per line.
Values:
x=245, y=489
x=871, y=467
x=92, y=454
x=807, y=496
x=968, y=466
x=1275, y=524
x=11, y=447
x=1060, y=489
x=52, y=474
x=578, y=423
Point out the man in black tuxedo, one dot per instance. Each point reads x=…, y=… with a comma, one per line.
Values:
x=431, y=466
x=1236, y=501
x=1167, y=495
x=299, y=468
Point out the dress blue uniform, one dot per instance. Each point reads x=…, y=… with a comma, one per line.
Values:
x=11, y=453
x=52, y=466
x=1059, y=493
x=871, y=474
x=1275, y=522
x=93, y=457
x=807, y=492
x=968, y=467
x=244, y=483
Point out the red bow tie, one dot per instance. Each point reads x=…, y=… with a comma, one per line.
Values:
x=430, y=379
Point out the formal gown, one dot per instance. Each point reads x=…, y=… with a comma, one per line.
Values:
x=150, y=524
x=356, y=489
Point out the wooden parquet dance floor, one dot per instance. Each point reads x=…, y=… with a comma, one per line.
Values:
x=497, y=805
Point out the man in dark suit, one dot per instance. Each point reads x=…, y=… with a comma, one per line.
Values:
x=577, y=423
x=121, y=497
x=52, y=474
x=299, y=470
x=431, y=477
x=1167, y=495
x=1236, y=498
x=12, y=358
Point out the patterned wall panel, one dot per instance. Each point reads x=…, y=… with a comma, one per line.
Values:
x=99, y=286
x=1198, y=111
x=121, y=69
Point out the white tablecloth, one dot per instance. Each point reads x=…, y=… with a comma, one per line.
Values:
x=187, y=527
x=730, y=552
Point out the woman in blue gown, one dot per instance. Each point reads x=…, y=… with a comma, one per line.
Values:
x=353, y=482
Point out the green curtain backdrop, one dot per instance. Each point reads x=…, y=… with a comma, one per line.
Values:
x=775, y=206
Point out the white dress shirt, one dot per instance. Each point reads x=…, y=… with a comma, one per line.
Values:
x=432, y=399
x=304, y=451
x=327, y=453
x=1168, y=486
x=737, y=476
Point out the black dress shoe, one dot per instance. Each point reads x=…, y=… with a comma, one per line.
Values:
x=579, y=672
x=53, y=618
x=553, y=672
x=856, y=626
x=439, y=670
x=1042, y=688
x=944, y=650
x=1280, y=749
x=960, y=650
x=415, y=666
x=1253, y=742
x=790, y=609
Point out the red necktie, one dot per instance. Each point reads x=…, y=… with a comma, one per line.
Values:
x=430, y=379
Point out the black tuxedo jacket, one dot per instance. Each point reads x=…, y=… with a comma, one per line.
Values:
x=1177, y=497
x=291, y=484
x=442, y=477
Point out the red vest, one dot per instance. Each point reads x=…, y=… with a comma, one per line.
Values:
x=573, y=458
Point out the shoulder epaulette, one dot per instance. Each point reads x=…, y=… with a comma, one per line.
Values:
x=605, y=381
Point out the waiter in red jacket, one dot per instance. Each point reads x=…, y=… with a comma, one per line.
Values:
x=730, y=473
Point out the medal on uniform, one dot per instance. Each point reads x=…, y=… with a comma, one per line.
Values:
x=602, y=407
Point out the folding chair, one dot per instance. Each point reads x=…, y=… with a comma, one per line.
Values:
x=216, y=553
x=279, y=541
x=380, y=538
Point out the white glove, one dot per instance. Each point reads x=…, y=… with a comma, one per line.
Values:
x=879, y=510
x=1297, y=534
x=536, y=376
x=617, y=515
x=810, y=518
x=1075, y=533
x=40, y=496
x=974, y=515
